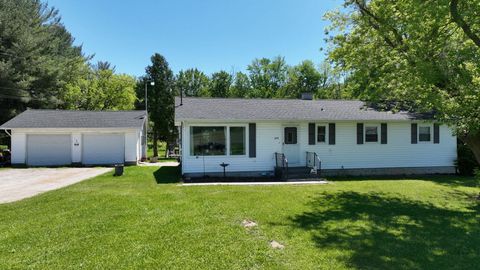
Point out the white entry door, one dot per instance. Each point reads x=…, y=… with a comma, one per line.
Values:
x=291, y=147
x=103, y=149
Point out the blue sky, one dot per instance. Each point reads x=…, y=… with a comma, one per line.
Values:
x=210, y=35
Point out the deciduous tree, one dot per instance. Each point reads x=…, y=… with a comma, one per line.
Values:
x=192, y=83
x=220, y=84
x=267, y=76
x=418, y=55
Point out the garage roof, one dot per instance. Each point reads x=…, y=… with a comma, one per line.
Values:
x=76, y=119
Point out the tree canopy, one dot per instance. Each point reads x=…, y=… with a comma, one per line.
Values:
x=37, y=57
x=418, y=55
x=41, y=67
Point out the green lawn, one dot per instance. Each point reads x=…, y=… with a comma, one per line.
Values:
x=145, y=220
x=161, y=152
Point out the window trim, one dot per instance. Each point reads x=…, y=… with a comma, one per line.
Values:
x=227, y=140
x=326, y=133
x=418, y=133
x=365, y=125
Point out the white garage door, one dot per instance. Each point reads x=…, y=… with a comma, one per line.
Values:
x=49, y=150
x=103, y=149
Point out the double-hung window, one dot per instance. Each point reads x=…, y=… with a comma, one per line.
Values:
x=424, y=134
x=237, y=141
x=371, y=133
x=321, y=134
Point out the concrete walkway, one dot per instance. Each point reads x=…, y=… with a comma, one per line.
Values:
x=160, y=164
x=17, y=184
x=256, y=183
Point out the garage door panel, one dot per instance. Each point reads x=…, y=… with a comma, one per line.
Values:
x=49, y=150
x=103, y=149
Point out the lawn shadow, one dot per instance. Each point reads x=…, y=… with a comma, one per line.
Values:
x=447, y=180
x=382, y=232
x=167, y=175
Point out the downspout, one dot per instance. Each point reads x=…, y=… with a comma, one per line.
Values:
x=9, y=134
x=180, y=150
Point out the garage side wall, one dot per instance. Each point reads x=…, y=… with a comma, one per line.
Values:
x=131, y=140
x=19, y=147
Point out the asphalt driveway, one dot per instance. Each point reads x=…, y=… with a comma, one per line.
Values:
x=17, y=184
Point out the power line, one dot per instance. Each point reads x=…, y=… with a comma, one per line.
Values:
x=12, y=88
x=2, y=96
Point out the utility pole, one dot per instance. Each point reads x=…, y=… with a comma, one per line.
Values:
x=152, y=83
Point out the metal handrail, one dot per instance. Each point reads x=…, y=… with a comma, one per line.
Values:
x=283, y=161
x=312, y=160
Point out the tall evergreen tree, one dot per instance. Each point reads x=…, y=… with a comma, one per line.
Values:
x=37, y=57
x=160, y=100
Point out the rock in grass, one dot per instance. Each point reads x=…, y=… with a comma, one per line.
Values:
x=248, y=223
x=276, y=245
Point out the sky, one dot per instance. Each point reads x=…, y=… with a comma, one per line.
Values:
x=210, y=35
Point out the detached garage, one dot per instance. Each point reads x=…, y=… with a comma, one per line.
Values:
x=62, y=138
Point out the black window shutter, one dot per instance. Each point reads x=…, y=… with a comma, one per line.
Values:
x=383, y=128
x=436, y=133
x=311, y=133
x=252, y=140
x=331, y=133
x=414, y=133
x=359, y=133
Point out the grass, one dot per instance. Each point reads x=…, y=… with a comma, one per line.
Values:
x=145, y=220
x=161, y=152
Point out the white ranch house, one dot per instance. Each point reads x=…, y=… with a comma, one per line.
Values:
x=255, y=136
x=63, y=138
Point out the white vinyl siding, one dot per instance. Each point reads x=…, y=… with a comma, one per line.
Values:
x=131, y=145
x=346, y=153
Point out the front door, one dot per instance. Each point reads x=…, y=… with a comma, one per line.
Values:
x=290, y=145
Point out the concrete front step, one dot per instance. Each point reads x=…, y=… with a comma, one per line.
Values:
x=300, y=173
x=302, y=176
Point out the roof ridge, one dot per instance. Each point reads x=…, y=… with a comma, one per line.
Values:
x=297, y=99
x=55, y=110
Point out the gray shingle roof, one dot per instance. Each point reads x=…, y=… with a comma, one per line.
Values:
x=279, y=109
x=76, y=119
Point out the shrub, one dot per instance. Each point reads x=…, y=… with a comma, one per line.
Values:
x=466, y=162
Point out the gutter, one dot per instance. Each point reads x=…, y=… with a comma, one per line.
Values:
x=8, y=133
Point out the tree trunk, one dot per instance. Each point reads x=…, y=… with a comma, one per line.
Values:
x=155, y=143
x=166, y=149
x=473, y=141
x=458, y=19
